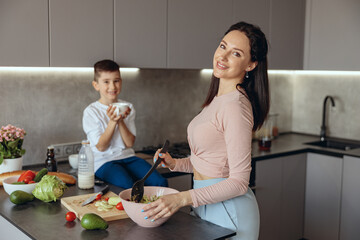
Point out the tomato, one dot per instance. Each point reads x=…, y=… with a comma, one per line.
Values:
x=27, y=179
x=32, y=181
x=106, y=199
x=98, y=197
x=70, y=216
x=28, y=174
x=119, y=206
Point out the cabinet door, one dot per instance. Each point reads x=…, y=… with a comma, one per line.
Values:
x=195, y=29
x=323, y=194
x=140, y=33
x=287, y=34
x=293, y=196
x=333, y=36
x=280, y=192
x=81, y=32
x=268, y=195
x=254, y=12
x=24, y=33
x=12, y=232
x=350, y=210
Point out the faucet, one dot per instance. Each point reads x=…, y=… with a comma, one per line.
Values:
x=323, y=126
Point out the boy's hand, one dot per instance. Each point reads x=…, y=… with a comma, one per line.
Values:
x=110, y=112
x=125, y=114
x=114, y=117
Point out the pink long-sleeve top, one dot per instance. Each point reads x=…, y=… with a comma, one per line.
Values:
x=220, y=142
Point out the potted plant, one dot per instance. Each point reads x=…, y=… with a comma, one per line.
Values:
x=11, y=152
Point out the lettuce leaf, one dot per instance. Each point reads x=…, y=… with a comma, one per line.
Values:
x=49, y=189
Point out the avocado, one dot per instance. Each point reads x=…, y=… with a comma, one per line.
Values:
x=21, y=197
x=92, y=221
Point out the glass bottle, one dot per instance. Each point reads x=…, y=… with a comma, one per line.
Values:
x=50, y=162
x=86, y=176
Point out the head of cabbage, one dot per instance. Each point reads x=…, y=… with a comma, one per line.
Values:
x=50, y=188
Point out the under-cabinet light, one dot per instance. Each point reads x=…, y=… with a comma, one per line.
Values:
x=59, y=69
x=207, y=71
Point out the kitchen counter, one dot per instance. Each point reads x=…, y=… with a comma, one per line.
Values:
x=40, y=220
x=293, y=143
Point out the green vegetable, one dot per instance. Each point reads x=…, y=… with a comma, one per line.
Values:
x=92, y=221
x=114, y=200
x=50, y=188
x=20, y=197
x=40, y=174
x=148, y=199
x=17, y=183
x=103, y=206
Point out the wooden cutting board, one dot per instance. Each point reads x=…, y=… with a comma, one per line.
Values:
x=73, y=204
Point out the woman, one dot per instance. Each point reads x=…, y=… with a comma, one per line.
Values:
x=220, y=137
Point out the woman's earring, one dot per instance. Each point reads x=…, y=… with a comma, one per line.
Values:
x=247, y=74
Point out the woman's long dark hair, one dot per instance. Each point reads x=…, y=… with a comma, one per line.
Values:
x=257, y=85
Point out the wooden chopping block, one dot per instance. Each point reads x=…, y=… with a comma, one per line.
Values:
x=73, y=204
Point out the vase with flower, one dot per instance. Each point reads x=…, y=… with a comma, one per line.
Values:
x=11, y=151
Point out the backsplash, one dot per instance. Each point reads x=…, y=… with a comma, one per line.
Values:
x=49, y=103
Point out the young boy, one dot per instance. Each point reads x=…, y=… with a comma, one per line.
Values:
x=112, y=136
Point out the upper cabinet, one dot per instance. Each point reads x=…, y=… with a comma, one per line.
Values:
x=140, y=33
x=81, y=32
x=195, y=29
x=179, y=34
x=283, y=23
x=332, y=35
x=24, y=33
x=287, y=34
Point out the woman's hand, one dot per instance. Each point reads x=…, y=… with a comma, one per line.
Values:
x=167, y=160
x=167, y=205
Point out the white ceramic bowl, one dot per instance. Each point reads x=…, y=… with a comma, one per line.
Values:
x=120, y=107
x=9, y=187
x=133, y=209
x=73, y=160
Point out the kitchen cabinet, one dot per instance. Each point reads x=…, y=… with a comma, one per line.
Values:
x=195, y=29
x=11, y=231
x=147, y=34
x=81, y=32
x=332, y=43
x=280, y=190
x=283, y=23
x=322, y=196
x=140, y=33
x=350, y=211
x=255, y=12
x=286, y=42
x=24, y=33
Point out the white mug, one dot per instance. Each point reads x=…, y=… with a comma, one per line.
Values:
x=120, y=107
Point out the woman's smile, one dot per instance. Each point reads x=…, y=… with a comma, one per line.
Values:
x=221, y=66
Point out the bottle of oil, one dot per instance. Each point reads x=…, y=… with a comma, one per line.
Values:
x=50, y=162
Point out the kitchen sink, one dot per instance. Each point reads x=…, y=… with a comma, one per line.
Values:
x=335, y=144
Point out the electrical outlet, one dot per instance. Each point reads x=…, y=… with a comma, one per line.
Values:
x=68, y=150
x=58, y=150
x=77, y=148
x=63, y=150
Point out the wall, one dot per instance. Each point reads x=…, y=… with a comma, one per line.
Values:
x=310, y=90
x=49, y=103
